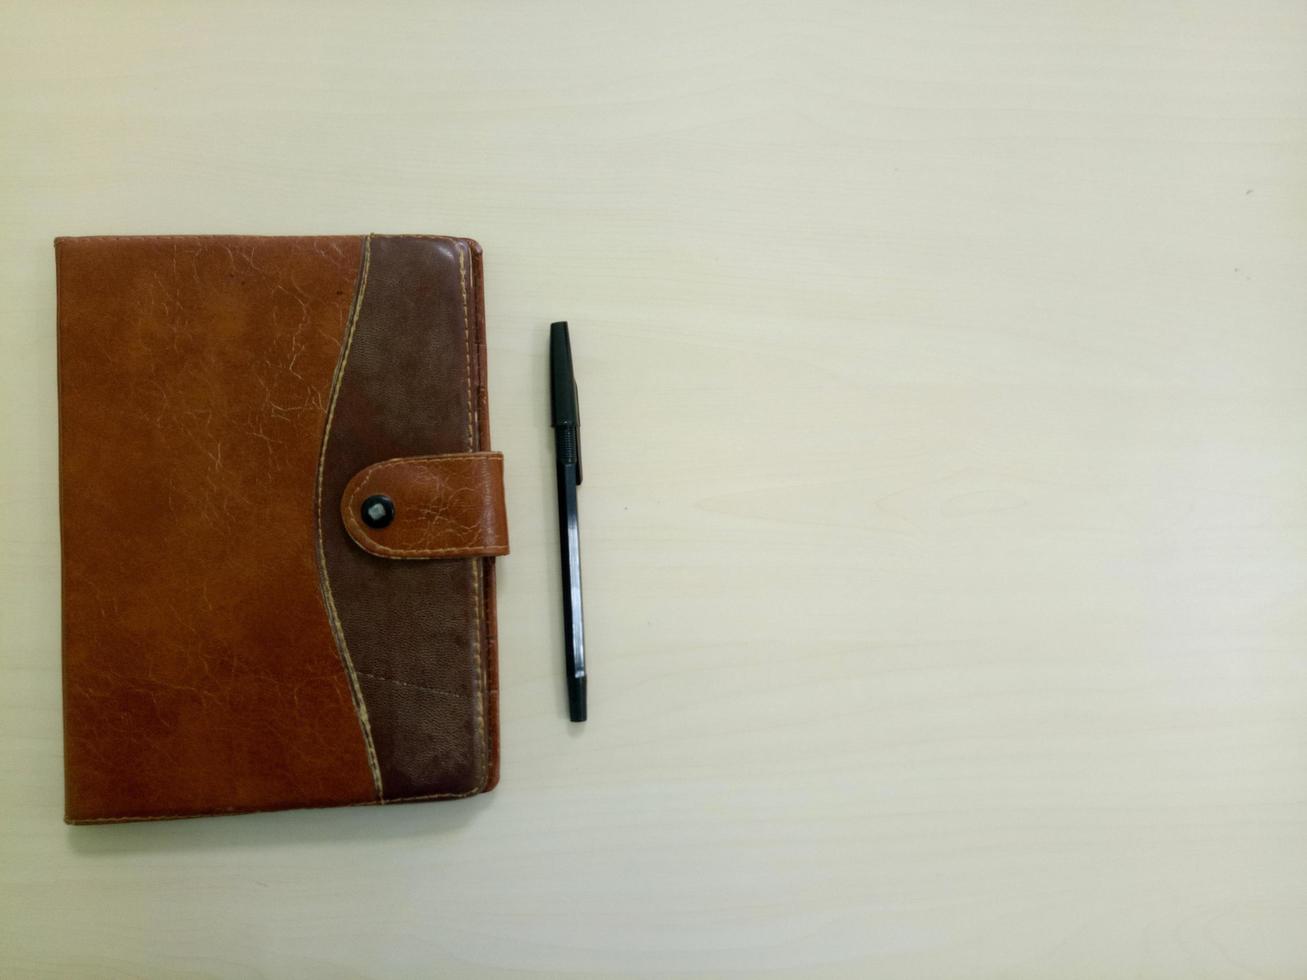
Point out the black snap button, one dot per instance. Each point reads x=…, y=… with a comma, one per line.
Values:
x=378, y=511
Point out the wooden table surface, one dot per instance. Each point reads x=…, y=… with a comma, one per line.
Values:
x=945, y=513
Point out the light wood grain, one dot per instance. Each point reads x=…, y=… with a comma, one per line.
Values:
x=945, y=509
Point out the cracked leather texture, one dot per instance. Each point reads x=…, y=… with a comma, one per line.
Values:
x=202, y=673
x=449, y=506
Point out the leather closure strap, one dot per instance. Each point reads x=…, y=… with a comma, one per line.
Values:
x=448, y=506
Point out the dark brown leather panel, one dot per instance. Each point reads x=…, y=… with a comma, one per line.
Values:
x=445, y=507
x=194, y=376
x=416, y=631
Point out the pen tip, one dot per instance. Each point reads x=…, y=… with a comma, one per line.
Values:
x=576, y=698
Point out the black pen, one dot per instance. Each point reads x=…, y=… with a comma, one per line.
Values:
x=567, y=450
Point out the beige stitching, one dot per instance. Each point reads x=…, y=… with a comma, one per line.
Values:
x=432, y=238
x=478, y=614
x=490, y=697
x=419, y=687
x=434, y=796
x=371, y=544
x=477, y=618
x=376, y=549
x=467, y=344
x=398, y=460
x=471, y=551
x=333, y=615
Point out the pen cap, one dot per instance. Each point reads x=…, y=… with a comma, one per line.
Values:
x=564, y=398
x=562, y=380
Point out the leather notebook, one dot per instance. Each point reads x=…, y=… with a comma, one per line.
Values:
x=279, y=516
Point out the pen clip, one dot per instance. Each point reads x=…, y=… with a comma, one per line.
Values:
x=576, y=397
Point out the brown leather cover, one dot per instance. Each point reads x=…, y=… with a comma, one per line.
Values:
x=228, y=646
x=449, y=506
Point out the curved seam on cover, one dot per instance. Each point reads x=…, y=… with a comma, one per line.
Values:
x=324, y=579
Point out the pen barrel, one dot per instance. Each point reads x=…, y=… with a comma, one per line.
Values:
x=569, y=540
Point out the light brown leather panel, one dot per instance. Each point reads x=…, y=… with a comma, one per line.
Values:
x=194, y=376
